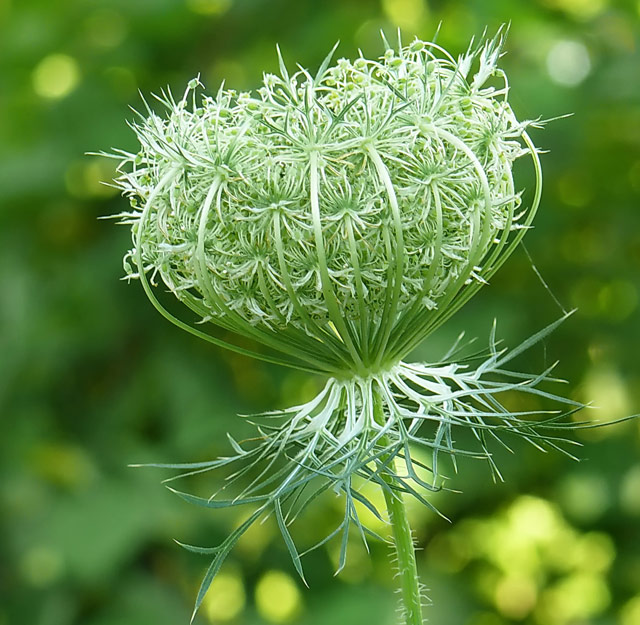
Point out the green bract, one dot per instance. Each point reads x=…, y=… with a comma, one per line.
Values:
x=336, y=218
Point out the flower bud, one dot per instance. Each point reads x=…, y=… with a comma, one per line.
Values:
x=337, y=218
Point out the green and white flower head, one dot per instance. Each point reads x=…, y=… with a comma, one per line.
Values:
x=339, y=218
x=336, y=218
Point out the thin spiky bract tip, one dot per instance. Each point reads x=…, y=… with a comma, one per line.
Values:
x=337, y=217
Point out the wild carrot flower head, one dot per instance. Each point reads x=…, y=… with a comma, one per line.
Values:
x=338, y=218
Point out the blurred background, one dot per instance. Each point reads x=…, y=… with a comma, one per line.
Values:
x=92, y=378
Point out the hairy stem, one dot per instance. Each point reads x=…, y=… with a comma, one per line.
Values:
x=401, y=533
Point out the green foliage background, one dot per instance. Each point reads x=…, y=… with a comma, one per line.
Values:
x=91, y=378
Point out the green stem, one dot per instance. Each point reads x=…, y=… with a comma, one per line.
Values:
x=401, y=532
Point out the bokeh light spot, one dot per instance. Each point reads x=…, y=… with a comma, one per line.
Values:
x=255, y=540
x=534, y=518
x=568, y=63
x=577, y=597
x=209, y=7
x=613, y=301
x=89, y=178
x=630, y=613
x=605, y=389
x=41, y=566
x=630, y=492
x=63, y=465
x=407, y=14
x=278, y=599
x=55, y=76
x=617, y=300
x=105, y=29
x=595, y=552
x=515, y=597
x=529, y=559
x=585, y=496
x=579, y=9
x=225, y=599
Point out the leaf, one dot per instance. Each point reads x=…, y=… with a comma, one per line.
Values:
x=325, y=64
x=283, y=68
x=212, y=571
x=235, y=445
x=222, y=554
x=344, y=543
x=293, y=552
x=188, y=465
x=367, y=504
x=532, y=340
x=216, y=503
x=194, y=549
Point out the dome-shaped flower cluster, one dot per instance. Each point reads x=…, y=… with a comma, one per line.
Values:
x=337, y=218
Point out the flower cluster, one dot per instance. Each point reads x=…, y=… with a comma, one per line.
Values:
x=336, y=218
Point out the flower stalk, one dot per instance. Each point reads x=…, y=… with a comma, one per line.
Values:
x=407, y=573
x=405, y=558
